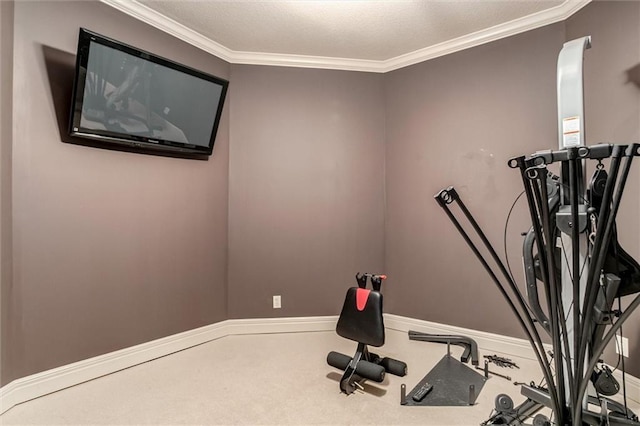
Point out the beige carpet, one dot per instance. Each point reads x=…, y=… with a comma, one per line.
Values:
x=278, y=379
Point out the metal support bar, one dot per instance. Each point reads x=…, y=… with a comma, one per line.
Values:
x=470, y=346
x=448, y=196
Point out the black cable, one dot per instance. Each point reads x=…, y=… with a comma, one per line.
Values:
x=600, y=348
x=575, y=169
x=595, y=269
x=556, y=310
x=624, y=376
x=618, y=350
x=618, y=362
x=448, y=196
x=602, y=237
x=537, y=226
x=504, y=237
x=566, y=261
x=571, y=306
x=569, y=312
x=504, y=243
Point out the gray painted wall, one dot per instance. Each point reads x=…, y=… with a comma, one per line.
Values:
x=612, y=114
x=306, y=188
x=457, y=120
x=318, y=161
x=110, y=249
x=6, y=253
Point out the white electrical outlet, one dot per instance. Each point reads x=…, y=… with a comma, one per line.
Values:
x=277, y=302
x=622, y=346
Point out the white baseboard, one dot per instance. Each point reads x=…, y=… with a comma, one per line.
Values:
x=281, y=325
x=486, y=341
x=490, y=342
x=39, y=384
x=36, y=385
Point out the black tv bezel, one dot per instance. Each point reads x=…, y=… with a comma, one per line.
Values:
x=120, y=141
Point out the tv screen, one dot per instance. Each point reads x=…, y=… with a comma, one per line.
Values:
x=126, y=97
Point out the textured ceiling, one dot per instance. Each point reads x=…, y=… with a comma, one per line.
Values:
x=357, y=35
x=356, y=29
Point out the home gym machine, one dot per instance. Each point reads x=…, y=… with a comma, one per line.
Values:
x=573, y=259
x=361, y=320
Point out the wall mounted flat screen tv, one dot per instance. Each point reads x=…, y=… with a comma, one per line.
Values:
x=126, y=98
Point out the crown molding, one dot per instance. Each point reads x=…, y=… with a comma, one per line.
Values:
x=497, y=32
x=149, y=16
x=517, y=26
x=302, y=61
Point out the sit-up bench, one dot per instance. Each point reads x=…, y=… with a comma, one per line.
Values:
x=361, y=321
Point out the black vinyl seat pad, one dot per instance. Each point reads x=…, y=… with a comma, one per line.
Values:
x=361, y=317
